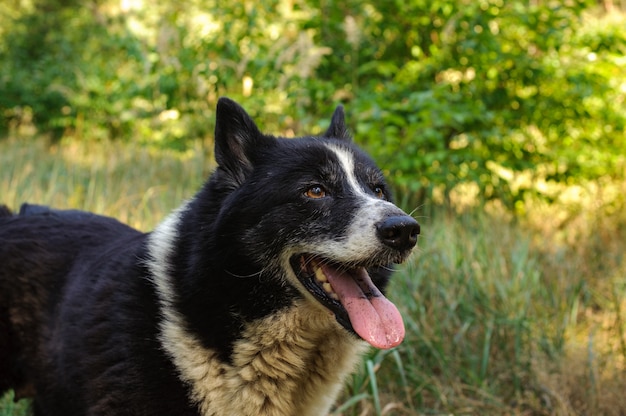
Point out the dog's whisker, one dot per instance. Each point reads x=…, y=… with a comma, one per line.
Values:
x=387, y=268
x=245, y=276
x=414, y=210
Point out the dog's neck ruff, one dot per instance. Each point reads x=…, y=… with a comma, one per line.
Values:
x=290, y=363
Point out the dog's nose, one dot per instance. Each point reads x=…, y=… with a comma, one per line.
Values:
x=399, y=232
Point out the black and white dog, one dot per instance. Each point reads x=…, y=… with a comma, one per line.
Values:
x=254, y=298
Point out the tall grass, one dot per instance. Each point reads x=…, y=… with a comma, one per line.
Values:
x=502, y=320
x=504, y=316
x=136, y=184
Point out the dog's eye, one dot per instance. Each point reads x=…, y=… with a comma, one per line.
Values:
x=315, y=192
x=379, y=192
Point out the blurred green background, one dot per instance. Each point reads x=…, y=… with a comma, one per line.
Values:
x=513, y=97
x=501, y=125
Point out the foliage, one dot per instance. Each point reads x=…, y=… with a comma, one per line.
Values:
x=491, y=89
x=498, y=94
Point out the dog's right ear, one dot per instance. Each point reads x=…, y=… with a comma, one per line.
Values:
x=236, y=137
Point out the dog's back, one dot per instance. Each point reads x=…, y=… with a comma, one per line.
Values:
x=38, y=247
x=49, y=266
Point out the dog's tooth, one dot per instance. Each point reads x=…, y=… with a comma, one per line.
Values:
x=328, y=288
x=320, y=276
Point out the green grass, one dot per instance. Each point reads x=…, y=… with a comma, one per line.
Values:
x=9, y=407
x=504, y=316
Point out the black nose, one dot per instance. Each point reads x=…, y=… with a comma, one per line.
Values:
x=398, y=232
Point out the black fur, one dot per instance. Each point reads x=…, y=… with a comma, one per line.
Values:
x=71, y=320
x=79, y=311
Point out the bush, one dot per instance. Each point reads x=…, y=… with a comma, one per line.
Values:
x=500, y=95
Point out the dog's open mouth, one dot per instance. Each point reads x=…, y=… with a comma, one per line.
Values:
x=351, y=295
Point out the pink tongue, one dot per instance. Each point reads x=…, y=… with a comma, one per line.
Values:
x=372, y=315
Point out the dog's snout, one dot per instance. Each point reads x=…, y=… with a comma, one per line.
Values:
x=399, y=232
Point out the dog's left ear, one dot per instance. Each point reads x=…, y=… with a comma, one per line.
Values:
x=337, y=129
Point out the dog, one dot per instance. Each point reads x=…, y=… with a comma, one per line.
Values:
x=256, y=297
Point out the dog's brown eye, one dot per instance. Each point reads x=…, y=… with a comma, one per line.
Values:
x=378, y=191
x=316, y=192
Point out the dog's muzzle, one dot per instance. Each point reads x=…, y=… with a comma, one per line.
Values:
x=346, y=288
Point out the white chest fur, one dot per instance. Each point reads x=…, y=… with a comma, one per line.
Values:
x=291, y=363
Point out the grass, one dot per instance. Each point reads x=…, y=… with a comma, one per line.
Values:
x=504, y=315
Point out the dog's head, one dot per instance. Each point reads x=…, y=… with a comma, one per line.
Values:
x=316, y=212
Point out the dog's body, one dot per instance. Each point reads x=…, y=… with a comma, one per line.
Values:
x=253, y=298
